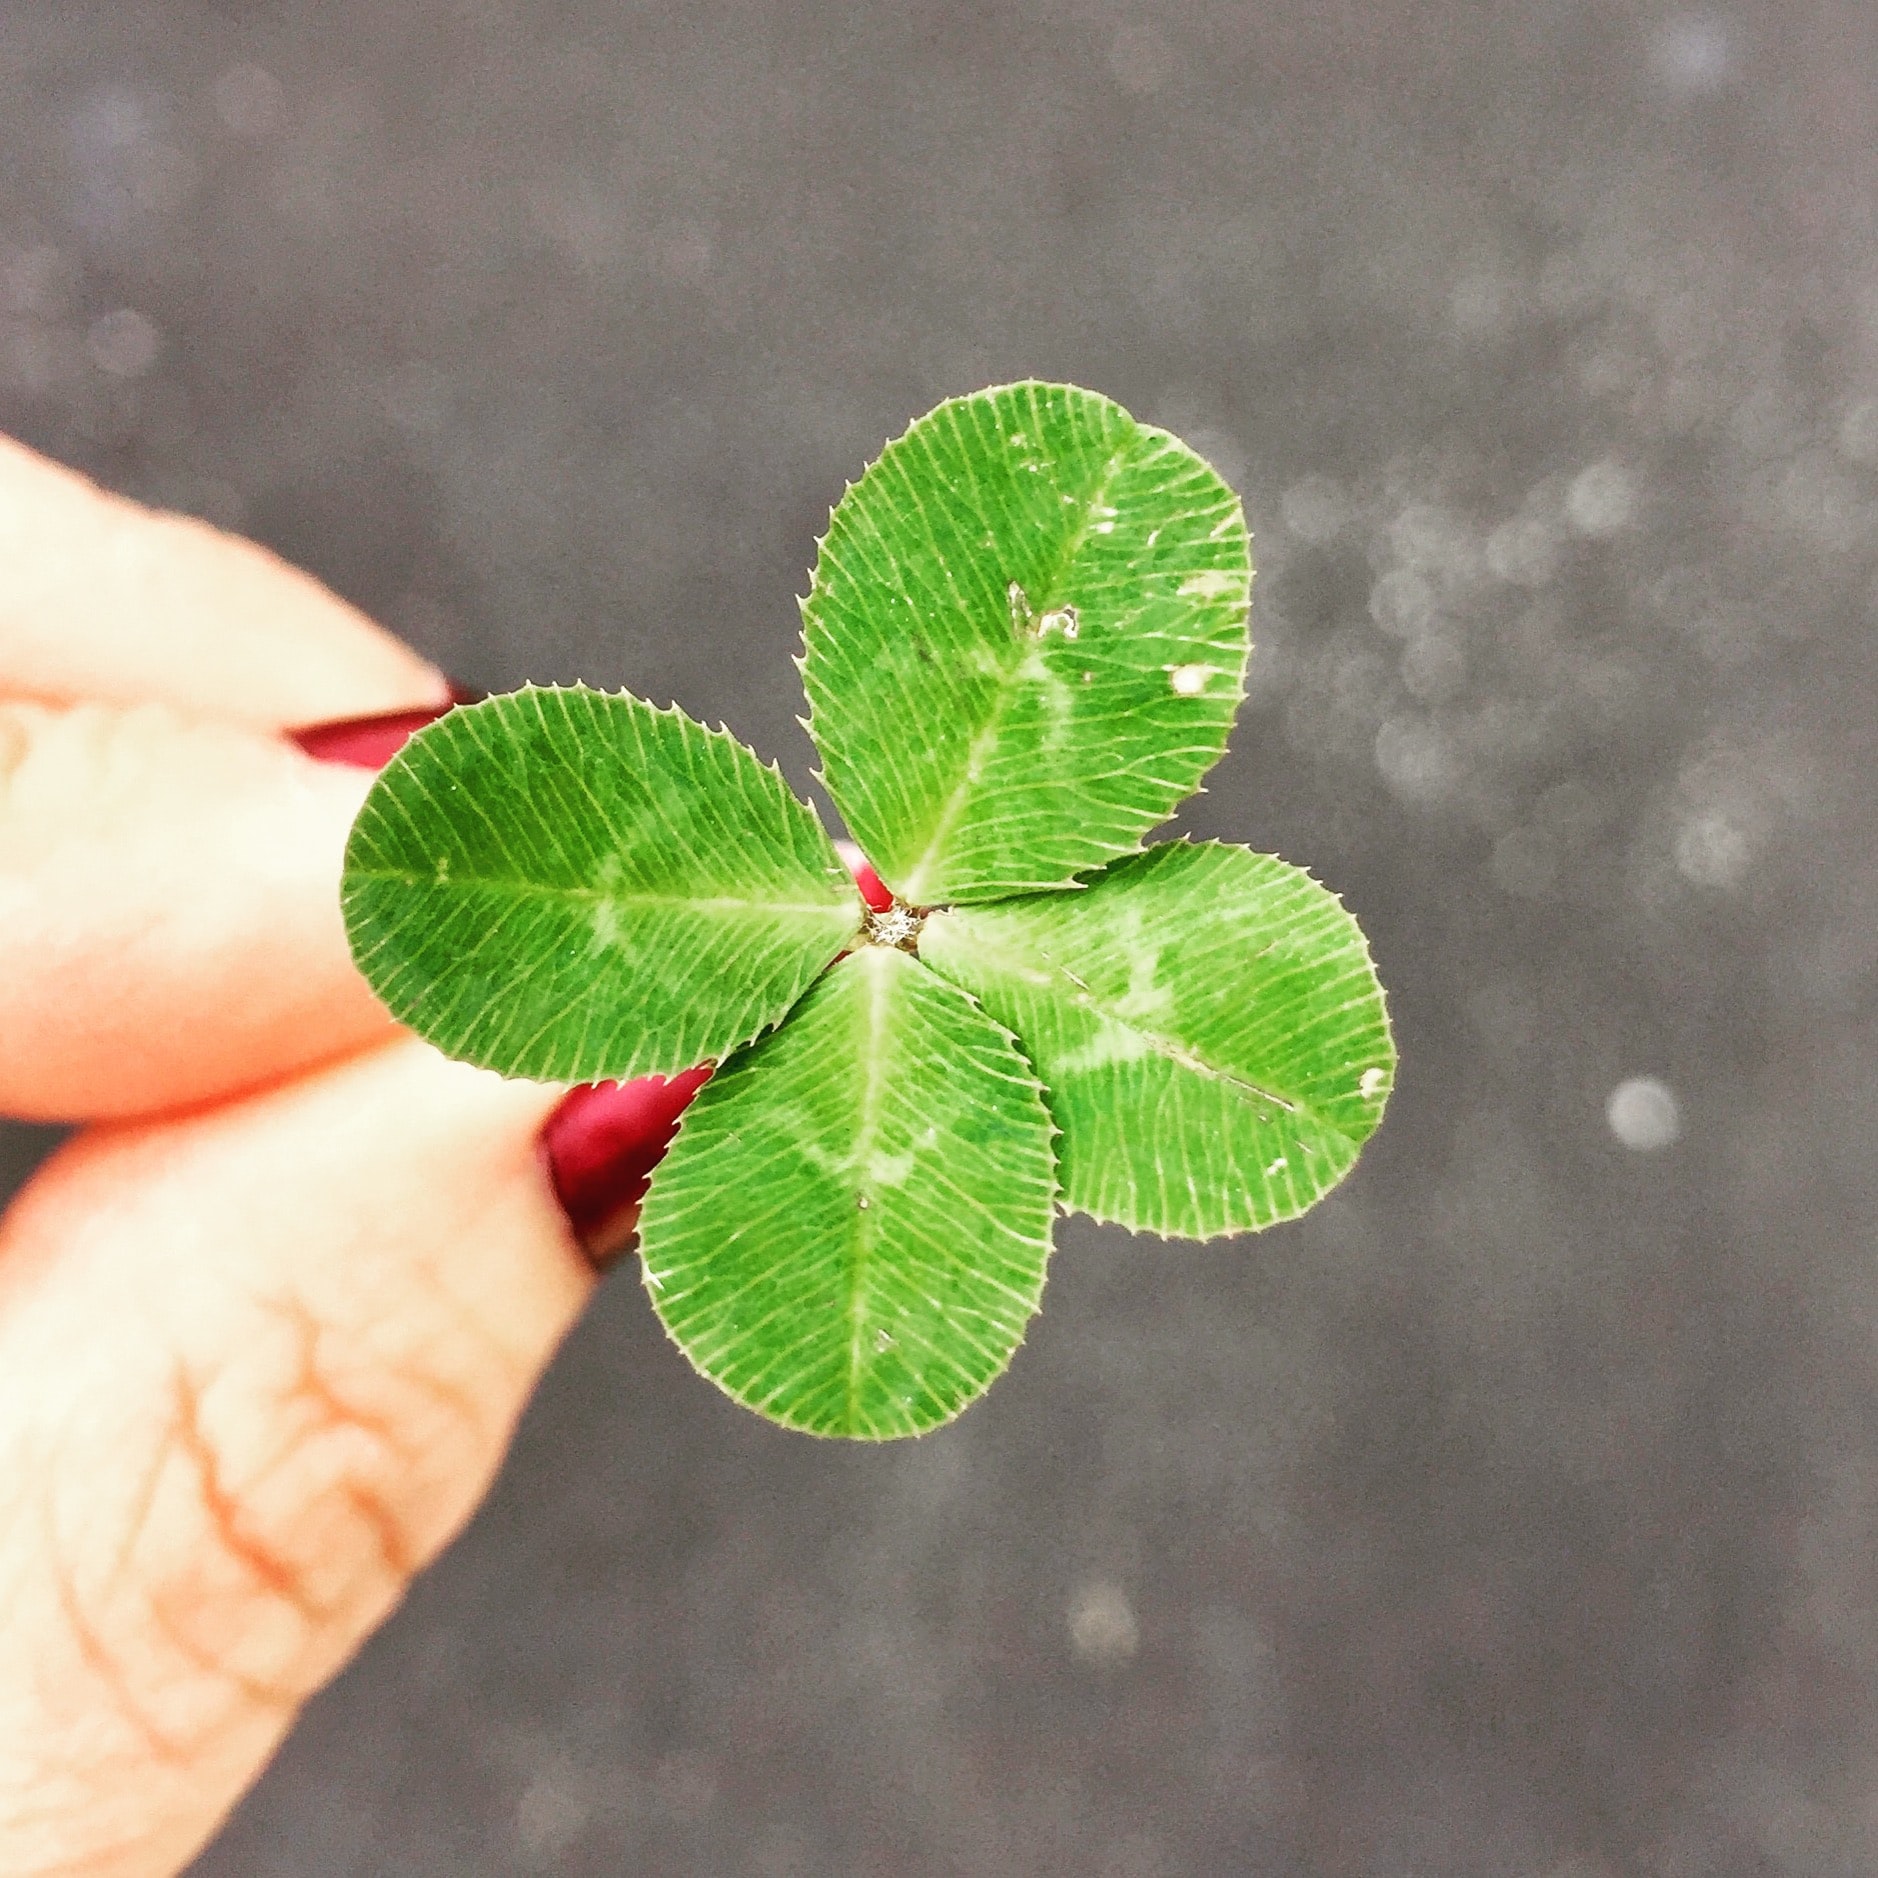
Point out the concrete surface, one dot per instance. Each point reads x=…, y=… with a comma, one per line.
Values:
x=1514, y=1514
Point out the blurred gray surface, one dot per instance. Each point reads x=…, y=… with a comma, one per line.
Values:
x=1514, y=1514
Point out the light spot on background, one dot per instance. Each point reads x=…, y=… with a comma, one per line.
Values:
x=124, y=344
x=1643, y=1114
x=1402, y=602
x=1711, y=851
x=1432, y=539
x=549, y=1816
x=1102, y=1627
x=1602, y=499
x=1858, y=432
x=250, y=101
x=1415, y=759
x=127, y=169
x=1221, y=449
x=1693, y=53
x=1315, y=509
x=1523, y=552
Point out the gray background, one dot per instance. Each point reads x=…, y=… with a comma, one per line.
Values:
x=1513, y=1514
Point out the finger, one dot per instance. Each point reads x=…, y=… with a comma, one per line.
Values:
x=169, y=911
x=256, y=1367
x=101, y=598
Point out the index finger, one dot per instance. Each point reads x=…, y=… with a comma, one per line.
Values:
x=103, y=599
x=259, y=1362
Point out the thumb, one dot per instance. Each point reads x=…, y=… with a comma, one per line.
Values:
x=257, y=1365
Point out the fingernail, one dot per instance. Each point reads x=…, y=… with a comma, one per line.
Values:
x=371, y=742
x=601, y=1145
x=874, y=890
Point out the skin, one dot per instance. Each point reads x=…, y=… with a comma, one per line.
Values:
x=267, y=1322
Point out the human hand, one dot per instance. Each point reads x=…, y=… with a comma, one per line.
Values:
x=267, y=1323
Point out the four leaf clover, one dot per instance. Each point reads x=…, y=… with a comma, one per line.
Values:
x=1024, y=644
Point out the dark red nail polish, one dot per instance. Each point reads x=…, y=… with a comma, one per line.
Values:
x=601, y=1145
x=371, y=742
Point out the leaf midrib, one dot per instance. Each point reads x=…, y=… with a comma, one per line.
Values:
x=1177, y=1053
x=593, y=896
x=954, y=806
x=873, y=1053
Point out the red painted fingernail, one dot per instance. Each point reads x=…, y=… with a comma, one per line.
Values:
x=874, y=890
x=601, y=1145
x=371, y=742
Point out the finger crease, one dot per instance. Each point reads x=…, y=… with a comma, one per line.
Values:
x=393, y=1547
x=224, y=1511
x=262, y=1694
x=100, y=1661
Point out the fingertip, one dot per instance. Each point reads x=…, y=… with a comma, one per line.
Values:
x=601, y=1144
x=261, y=1363
x=101, y=598
x=170, y=928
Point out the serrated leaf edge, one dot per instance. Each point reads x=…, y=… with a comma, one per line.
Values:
x=1052, y=1134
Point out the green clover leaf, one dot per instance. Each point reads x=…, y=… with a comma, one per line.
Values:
x=1024, y=645
x=1026, y=640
